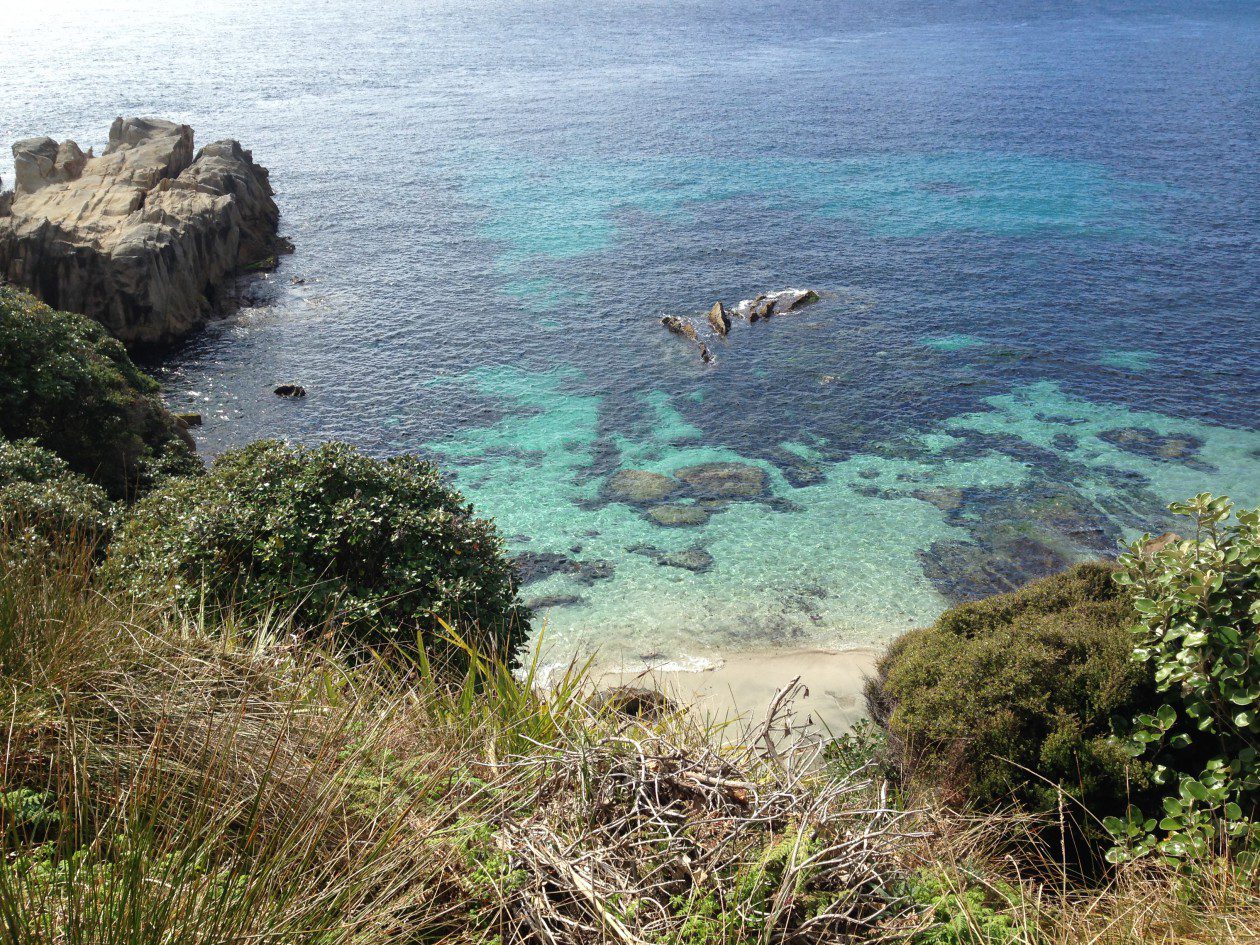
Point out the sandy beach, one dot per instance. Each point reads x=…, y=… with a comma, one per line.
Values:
x=742, y=685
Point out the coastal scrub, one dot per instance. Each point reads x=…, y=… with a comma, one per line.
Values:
x=377, y=552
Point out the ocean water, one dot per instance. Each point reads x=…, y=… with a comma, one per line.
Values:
x=1033, y=228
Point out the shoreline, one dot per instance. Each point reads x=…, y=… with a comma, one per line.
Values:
x=738, y=688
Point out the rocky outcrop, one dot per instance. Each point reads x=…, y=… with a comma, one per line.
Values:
x=775, y=303
x=147, y=238
x=753, y=310
x=719, y=321
x=680, y=327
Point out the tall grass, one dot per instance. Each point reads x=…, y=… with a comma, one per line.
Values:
x=161, y=785
x=169, y=778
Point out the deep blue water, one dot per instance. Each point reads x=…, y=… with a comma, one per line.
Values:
x=1033, y=226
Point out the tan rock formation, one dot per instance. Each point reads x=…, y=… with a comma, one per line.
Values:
x=147, y=238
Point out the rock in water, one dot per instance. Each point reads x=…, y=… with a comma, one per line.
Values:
x=719, y=321
x=775, y=303
x=147, y=237
x=680, y=327
x=705, y=354
x=290, y=390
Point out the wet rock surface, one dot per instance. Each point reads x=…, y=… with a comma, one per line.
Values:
x=718, y=319
x=148, y=237
x=775, y=303
x=680, y=327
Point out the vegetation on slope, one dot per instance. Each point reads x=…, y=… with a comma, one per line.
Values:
x=170, y=777
x=381, y=551
x=1030, y=682
x=68, y=385
x=199, y=747
x=1199, y=604
x=46, y=504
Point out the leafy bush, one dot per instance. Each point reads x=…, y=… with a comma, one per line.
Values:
x=67, y=384
x=382, y=548
x=1013, y=697
x=1198, y=602
x=44, y=504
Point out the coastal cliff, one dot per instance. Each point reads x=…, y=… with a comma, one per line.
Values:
x=146, y=238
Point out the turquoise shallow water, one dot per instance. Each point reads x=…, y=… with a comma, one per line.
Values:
x=1032, y=228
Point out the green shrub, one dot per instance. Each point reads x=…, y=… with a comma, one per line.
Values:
x=43, y=503
x=67, y=384
x=382, y=548
x=1198, y=603
x=1011, y=697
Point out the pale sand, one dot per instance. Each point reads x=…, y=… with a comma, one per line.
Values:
x=745, y=683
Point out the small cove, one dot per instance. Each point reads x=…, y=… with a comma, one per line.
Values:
x=1037, y=323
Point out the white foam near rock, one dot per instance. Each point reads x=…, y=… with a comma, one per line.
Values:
x=145, y=238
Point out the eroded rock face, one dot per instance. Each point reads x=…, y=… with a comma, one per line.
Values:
x=147, y=238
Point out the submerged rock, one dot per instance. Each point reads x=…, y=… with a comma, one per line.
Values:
x=964, y=571
x=555, y=600
x=146, y=238
x=719, y=320
x=694, y=559
x=797, y=470
x=639, y=486
x=944, y=498
x=290, y=390
x=537, y=565
x=1172, y=447
x=725, y=480
x=679, y=516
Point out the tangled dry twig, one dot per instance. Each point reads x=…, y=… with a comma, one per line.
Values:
x=635, y=836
